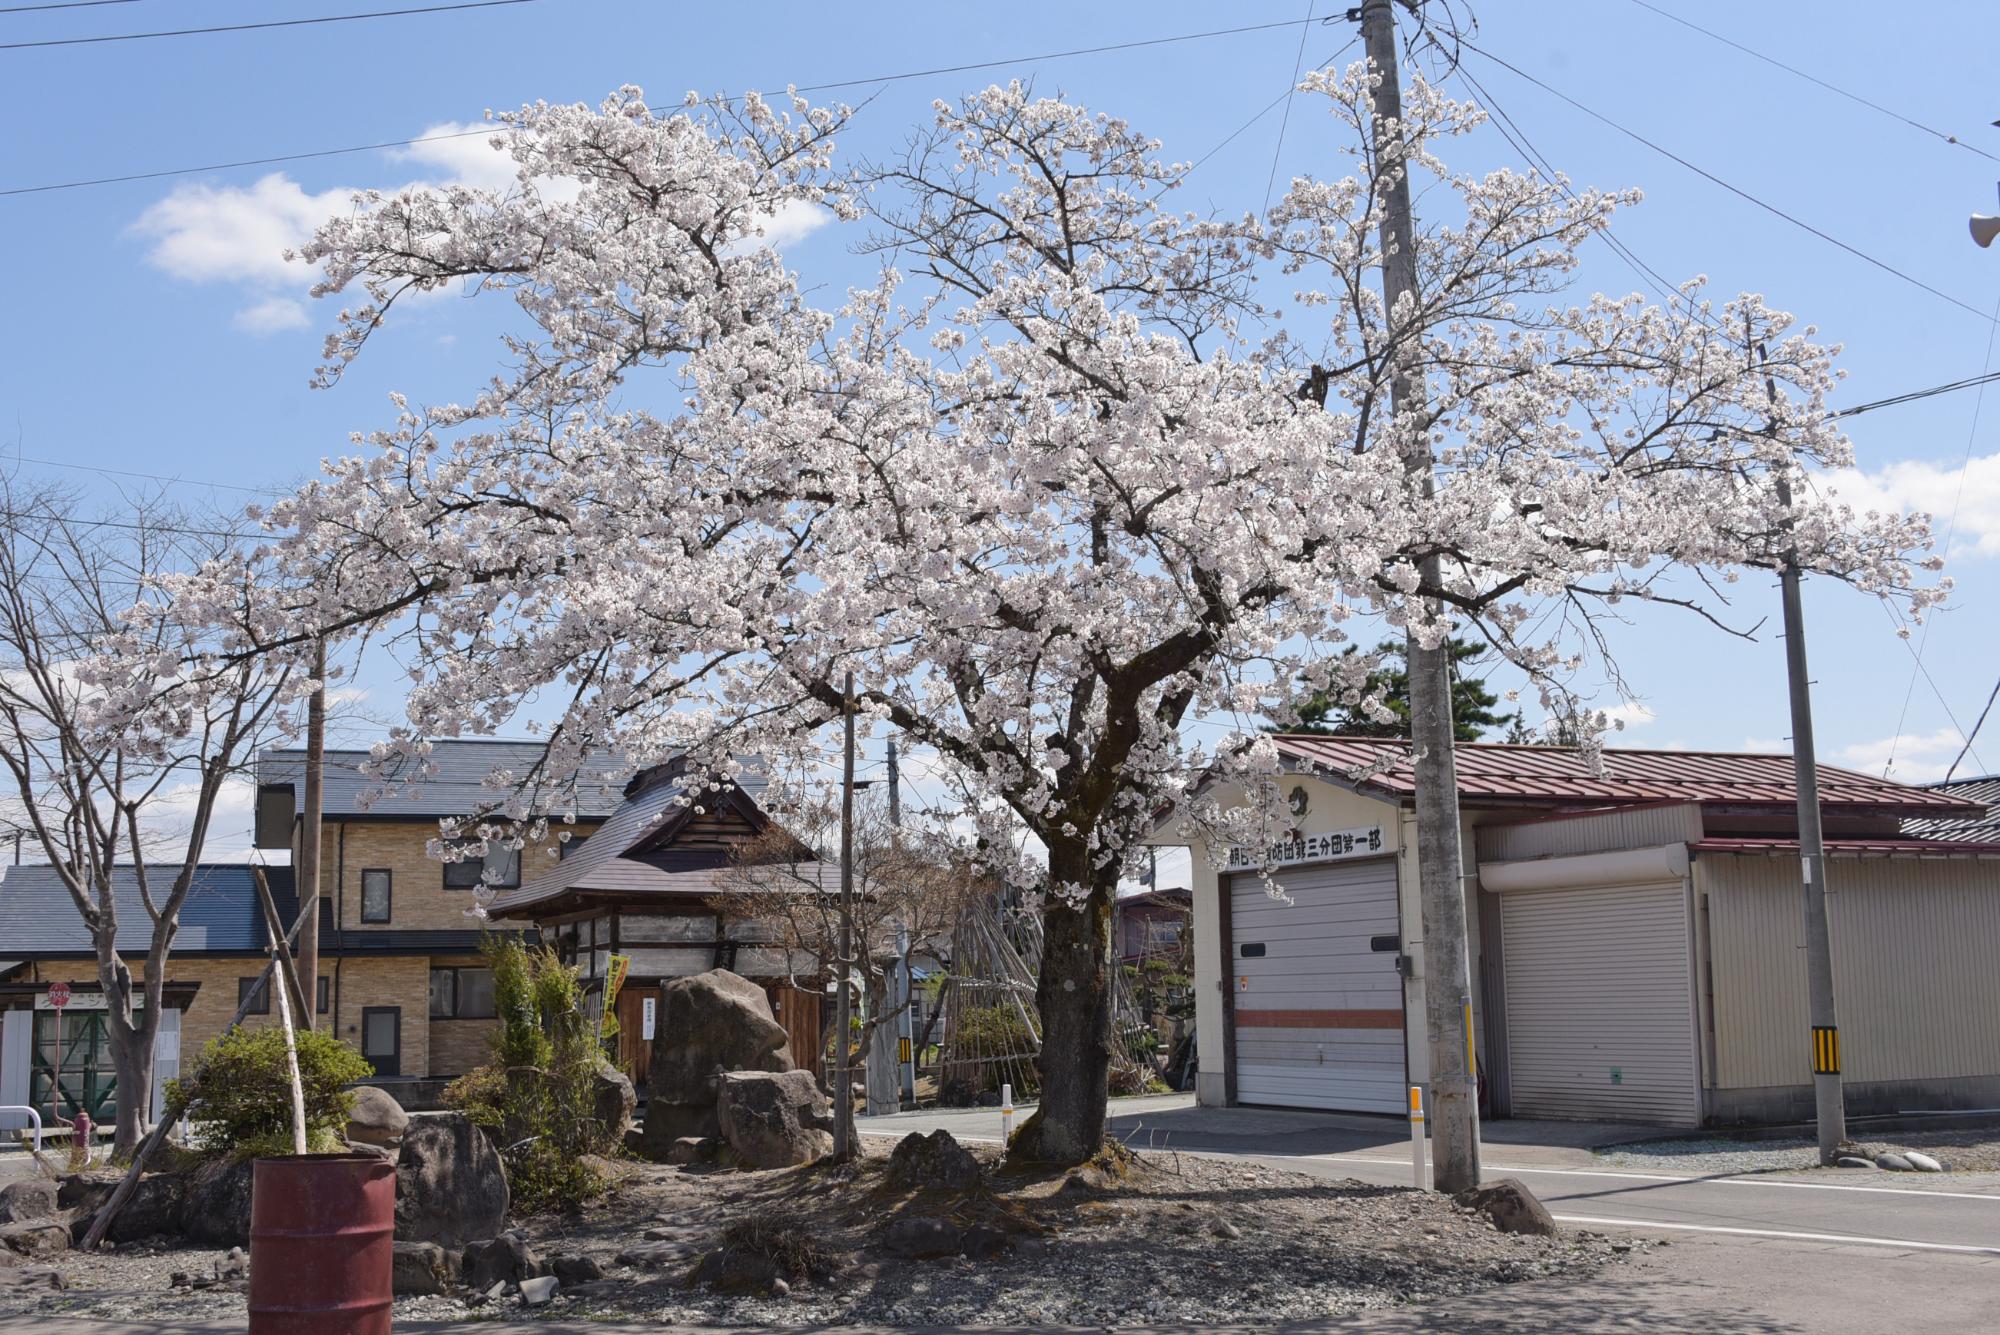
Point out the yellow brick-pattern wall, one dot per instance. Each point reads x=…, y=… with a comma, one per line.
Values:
x=392, y=980
x=417, y=897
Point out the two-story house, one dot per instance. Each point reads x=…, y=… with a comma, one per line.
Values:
x=399, y=942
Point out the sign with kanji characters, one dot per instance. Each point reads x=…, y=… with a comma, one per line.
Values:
x=58, y=995
x=1326, y=846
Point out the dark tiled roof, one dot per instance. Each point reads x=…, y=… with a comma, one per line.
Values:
x=632, y=854
x=1982, y=826
x=1857, y=848
x=221, y=914
x=413, y=941
x=1562, y=776
x=459, y=787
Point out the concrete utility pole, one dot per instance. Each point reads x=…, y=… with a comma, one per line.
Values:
x=307, y=871
x=1447, y=975
x=843, y=1009
x=903, y=992
x=1827, y=1100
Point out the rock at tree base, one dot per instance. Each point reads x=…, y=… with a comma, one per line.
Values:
x=217, y=1210
x=31, y=1198
x=1511, y=1207
x=983, y=1242
x=774, y=1119
x=733, y=1270
x=538, y=1291
x=35, y=1237
x=1895, y=1163
x=574, y=1270
x=1923, y=1163
x=157, y=1205
x=507, y=1259
x=450, y=1187
x=936, y=1160
x=422, y=1268
x=921, y=1237
x=694, y=1150
x=377, y=1119
x=615, y=1102
x=1853, y=1161
x=708, y=1024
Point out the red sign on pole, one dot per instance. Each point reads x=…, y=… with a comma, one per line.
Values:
x=59, y=995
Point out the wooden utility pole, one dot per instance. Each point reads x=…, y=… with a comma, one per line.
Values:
x=1828, y=1103
x=843, y=1010
x=307, y=871
x=1447, y=971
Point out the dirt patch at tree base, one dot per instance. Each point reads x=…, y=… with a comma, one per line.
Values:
x=1173, y=1238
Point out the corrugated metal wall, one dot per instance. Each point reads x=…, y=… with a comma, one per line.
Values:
x=1590, y=834
x=1913, y=956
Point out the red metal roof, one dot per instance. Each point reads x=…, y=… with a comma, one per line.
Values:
x=1863, y=848
x=1564, y=776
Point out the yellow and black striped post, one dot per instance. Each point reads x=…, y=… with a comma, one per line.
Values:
x=1825, y=1049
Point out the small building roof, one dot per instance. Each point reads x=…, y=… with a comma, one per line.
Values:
x=1491, y=773
x=1854, y=848
x=634, y=854
x=220, y=916
x=1982, y=826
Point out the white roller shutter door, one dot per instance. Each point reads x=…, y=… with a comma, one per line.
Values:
x=1600, y=1012
x=1318, y=1007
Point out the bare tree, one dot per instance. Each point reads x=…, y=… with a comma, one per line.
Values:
x=907, y=879
x=135, y=805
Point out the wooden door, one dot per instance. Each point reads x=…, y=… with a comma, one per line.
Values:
x=799, y=1012
x=635, y=1044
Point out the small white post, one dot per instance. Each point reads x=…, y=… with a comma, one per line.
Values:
x=1417, y=1135
x=1007, y=1113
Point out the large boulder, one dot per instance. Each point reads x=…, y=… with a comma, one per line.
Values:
x=935, y=1160
x=216, y=1209
x=422, y=1268
x=156, y=1207
x=35, y=1237
x=1510, y=1205
x=376, y=1119
x=29, y=1198
x=709, y=1024
x=773, y=1119
x=507, y=1259
x=450, y=1187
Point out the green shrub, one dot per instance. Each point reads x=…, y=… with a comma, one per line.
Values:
x=983, y=1037
x=239, y=1092
x=480, y=1094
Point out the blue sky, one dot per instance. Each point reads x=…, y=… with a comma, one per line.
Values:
x=151, y=326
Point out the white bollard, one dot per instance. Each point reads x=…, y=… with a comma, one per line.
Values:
x=1417, y=1134
x=1006, y=1113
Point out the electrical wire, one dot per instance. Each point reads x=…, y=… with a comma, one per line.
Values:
x=1298, y=64
x=1259, y=115
x=1977, y=725
x=1950, y=531
x=1912, y=396
x=1736, y=190
x=275, y=158
x=150, y=477
x=1835, y=88
x=67, y=4
x=267, y=23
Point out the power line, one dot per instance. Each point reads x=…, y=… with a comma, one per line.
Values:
x=1968, y=383
x=68, y=4
x=1261, y=113
x=1298, y=63
x=276, y=158
x=268, y=23
x=1980, y=723
x=1736, y=190
x=150, y=477
x=1835, y=88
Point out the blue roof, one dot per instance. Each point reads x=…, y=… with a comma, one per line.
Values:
x=221, y=913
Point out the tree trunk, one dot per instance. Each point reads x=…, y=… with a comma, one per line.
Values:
x=1073, y=995
x=133, y=1033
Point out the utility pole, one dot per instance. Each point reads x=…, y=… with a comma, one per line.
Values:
x=1447, y=975
x=307, y=871
x=1827, y=1101
x=903, y=993
x=895, y=788
x=843, y=1010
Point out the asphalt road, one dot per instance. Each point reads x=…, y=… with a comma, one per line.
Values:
x=1952, y=1215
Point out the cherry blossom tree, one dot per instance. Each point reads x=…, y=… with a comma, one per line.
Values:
x=1060, y=482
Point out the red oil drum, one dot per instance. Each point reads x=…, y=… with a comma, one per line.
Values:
x=322, y=1245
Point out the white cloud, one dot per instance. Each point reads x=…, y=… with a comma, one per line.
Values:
x=207, y=233
x=272, y=315
x=1934, y=488
x=1628, y=715
x=795, y=220
x=1766, y=744
x=1920, y=757
x=463, y=153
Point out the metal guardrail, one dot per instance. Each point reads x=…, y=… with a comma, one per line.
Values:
x=33, y=1116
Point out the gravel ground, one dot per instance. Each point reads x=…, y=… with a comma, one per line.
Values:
x=1180, y=1240
x=1966, y=1151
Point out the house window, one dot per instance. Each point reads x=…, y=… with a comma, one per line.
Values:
x=254, y=991
x=500, y=867
x=375, y=895
x=462, y=994
x=325, y=994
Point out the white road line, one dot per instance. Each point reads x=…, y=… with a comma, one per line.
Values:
x=1704, y=1181
x=1643, y=1225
